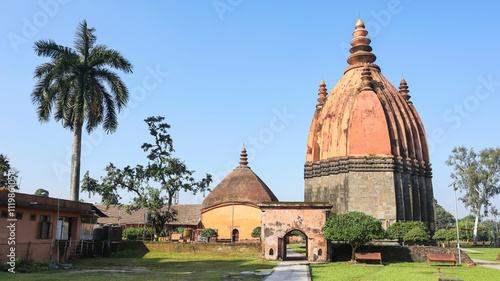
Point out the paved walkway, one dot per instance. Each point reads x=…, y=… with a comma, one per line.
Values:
x=472, y=251
x=485, y=263
x=296, y=268
x=489, y=264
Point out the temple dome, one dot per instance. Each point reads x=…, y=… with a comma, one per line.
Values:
x=242, y=185
x=367, y=150
x=366, y=117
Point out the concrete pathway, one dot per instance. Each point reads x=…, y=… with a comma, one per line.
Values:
x=485, y=263
x=489, y=264
x=296, y=268
x=472, y=251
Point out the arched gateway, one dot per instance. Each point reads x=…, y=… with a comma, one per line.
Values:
x=280, y=218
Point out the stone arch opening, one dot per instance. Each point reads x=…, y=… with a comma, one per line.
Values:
x=236, y=235
x=295, y=245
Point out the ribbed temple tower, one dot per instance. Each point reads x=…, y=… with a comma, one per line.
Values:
x=367, y=150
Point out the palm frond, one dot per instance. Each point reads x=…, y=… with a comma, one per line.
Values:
x=100, y=56
x=49, y=48
x=43, y=69
x=118, y=88
x=84, y=38
x=110, y=121
x=94, y=105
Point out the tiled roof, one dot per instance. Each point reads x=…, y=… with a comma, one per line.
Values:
x=188, y=214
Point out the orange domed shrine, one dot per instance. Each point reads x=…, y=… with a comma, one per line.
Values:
x=231, y=208
x=367, y=150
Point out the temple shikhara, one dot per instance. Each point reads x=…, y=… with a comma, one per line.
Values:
x=367, y=150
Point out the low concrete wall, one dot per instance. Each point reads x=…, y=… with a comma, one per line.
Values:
x=194, y=247
x=397, y=253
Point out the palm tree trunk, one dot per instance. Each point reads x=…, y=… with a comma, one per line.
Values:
x=75, y=161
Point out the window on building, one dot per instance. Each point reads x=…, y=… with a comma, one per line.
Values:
x=63, y=228
x=44, y=227
x=32, y=217
x=5, y=214
x=19, y=216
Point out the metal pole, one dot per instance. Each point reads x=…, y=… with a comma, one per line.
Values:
x=232, y=223
x=458, y=232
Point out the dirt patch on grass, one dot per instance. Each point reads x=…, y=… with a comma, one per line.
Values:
x=129, y=270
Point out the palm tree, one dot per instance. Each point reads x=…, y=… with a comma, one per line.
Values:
x=78, y=86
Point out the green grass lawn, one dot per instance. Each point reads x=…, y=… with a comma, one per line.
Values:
x=487, y=253
x=299, y=248
x=155, y=266
x=399, y=271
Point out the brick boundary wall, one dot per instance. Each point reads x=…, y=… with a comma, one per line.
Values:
x=198, y=247
x=342, y=252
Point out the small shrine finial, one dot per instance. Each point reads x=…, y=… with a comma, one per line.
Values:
x=243, y=158
x=366, y=79
x=403, y=90
x=322, y=94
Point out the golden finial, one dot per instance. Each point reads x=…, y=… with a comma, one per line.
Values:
x=359, y=24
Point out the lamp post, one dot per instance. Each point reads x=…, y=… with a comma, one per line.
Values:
x=456, y=220
x=232, y=223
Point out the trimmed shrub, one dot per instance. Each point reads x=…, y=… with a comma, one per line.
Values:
x=416, y=235
x=256, y=232
x=208, y=233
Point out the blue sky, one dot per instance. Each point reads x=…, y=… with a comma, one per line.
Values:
x=229, y=72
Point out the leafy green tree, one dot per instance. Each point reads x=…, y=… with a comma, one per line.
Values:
x=443, y=217
x=256, y=232
x=42, y=192
x=477, y=175
x=417, y=234
x=494, y=212
x=399, y=230
x=6, y=171
x=108, y=196
x=170, y=175
x=137, y=233
x=468, y=220
x=451, y=234
x=490, y=227
x=209, y=233
x=440, y=235
x=354, y=227
x=77, y=86
x=179, y=230
x=465, y=235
